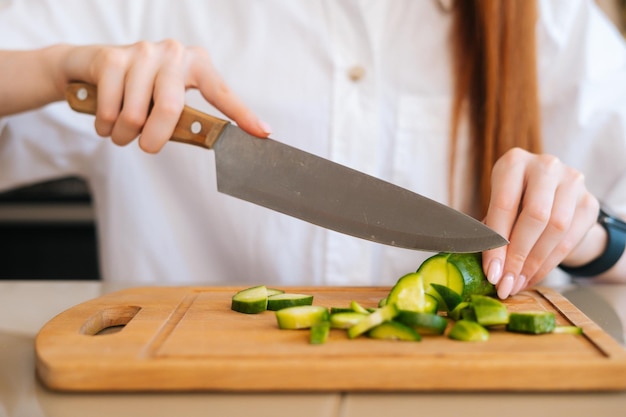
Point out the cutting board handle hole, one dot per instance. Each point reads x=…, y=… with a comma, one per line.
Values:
x=108, y=321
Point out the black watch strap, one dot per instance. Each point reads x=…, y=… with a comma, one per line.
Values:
x=616, y=231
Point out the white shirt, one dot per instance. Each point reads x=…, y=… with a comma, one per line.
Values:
x=364, y=83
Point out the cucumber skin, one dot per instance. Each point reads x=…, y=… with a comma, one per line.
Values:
x=468, y=331
x=393, y=330
x=241, y=304
x=474, y=279
x=532, y=322
x=275, y=304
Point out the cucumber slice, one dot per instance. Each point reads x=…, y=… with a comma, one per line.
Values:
x=250, y=301
x=274, y=291
x=460, y=272
x=358, y=308
x=279, y=301
x=409, y=294
x=448, y=299
x=346, y=319
x=393, y=330
x=382, y=302
x=424, y=323
x=532, y=322
x=568, y=330
x=319, y=333
x=489, y=311
x=468, y=331
x=455, y=314
x=372, y=320
x=301, y=317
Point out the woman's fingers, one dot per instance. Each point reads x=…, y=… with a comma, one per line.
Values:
x=141, y=90
x=544, y=209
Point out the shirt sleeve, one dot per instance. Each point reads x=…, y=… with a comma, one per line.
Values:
x=582, y=78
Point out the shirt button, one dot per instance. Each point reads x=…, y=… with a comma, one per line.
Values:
x=356, y=73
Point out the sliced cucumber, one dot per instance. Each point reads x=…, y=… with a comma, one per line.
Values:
x=568, y=330
x=355, y=306
x=448, y=299
x=393, y=330
x=532, y=322
x=382, y=302
x=372, y=320
x=346, y=319
x=274, y=291
x=409, y=294
x=455, y=314
x=468, y=331
x=301, y=317
x=460, y=272
x=319, y=333
x=424, y=323
x=251, y=300
x=284, y=300
x=489, y=311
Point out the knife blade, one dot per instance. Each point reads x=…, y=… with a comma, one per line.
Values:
x=291, y=181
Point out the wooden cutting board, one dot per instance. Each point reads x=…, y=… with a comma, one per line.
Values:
x=187, y=338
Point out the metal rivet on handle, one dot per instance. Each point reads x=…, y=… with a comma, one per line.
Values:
x=82, y=94
x=196, y=127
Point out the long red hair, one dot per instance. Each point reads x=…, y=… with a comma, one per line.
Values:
x=495, y=76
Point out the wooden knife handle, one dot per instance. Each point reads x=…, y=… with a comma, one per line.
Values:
x=194, y=127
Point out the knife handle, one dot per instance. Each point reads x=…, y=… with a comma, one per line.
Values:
x=194, y=127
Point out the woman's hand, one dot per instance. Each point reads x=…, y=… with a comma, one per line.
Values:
x=545, y=210
x=129, y=78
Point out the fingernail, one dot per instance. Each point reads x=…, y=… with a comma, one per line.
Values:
x=506, y=285
x=265, y=127
x=495, y=271
x=519, y=284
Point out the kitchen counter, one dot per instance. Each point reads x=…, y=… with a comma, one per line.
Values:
x=25, y=306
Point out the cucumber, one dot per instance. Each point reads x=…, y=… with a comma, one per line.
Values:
x=283, y=300
x=301, y=317
x=274, y=291
x=358, y=308
x=423, y=323
x=568, y=330
x=468, y=331
x=489, y=311
x=393, y=330
x=409, y=294
x=458, y=310
x=448, y=299
x=251, y=300
x=532, y=322
x=319, y=333
x=345, y=319
x=460, y=272
x=372, y=320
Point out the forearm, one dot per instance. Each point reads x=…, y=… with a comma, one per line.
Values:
x=31, y=79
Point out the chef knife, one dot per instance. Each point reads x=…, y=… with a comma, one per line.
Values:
x=280, y=177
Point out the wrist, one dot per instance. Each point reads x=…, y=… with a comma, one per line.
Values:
x=614, y=244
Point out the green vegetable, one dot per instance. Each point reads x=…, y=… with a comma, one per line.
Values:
x=423, y=323
x=393, y=330
x=319, y=333
x=468, y=331
x=250, y=301
x=301, y=317
x=532, y=322
x=372, y=320
x=489, y=311
x=284, y=300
